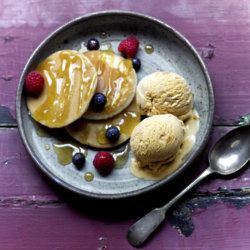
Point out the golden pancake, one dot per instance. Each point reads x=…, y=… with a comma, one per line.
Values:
x=92, y=133
x=70, y=82
x=116, y=80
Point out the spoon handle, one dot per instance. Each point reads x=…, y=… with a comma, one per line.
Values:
x=143, y=228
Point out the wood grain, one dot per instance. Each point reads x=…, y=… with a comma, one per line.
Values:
x=36, y=215
x=223, y=43
x=60, y=227
x=25, y=192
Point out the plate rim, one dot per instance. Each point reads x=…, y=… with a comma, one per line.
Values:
x=194, y=155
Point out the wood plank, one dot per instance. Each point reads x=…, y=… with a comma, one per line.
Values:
x=59, y=226
x=25, y=193
x=223, y=43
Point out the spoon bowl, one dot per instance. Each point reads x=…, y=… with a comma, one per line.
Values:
x=228, y=155
x=231, y=152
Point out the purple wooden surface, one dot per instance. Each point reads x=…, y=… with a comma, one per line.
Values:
x=29, y=207
x=32, y=213
x=60, y=227
x=210, y=26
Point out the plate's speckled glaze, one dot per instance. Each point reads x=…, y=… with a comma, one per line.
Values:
x=172, y=53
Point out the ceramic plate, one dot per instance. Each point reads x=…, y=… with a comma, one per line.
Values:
x=172, y=53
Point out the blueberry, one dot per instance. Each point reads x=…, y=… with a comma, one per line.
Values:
x=136, y=63
x=98, y=102
x=93, y=44
x=78, y=160
x=113, y=134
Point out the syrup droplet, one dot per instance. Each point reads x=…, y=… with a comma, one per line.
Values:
x=101, y=136
x=149, y=48
x=47, y=146
x=107, y=47
x=103, y=35
x=121, y=156
x=65, y=151
x=88, y=176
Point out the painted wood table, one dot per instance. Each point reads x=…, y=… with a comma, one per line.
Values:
x=34, y=214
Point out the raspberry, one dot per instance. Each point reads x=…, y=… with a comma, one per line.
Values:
x=104, y=162
x=34, y=82
x=129, y=47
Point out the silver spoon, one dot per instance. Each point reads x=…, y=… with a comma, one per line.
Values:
x=229, y=154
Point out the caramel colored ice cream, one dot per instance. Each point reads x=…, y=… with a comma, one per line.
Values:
x=158, y=170
x=157, y=138
x=164, y=93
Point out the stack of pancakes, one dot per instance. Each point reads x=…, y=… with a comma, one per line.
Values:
x=71, y=80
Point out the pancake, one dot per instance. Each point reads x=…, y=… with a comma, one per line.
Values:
x=116, y=80
x=92, y=133
x=70, y=82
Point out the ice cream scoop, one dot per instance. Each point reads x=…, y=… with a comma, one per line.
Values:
x=164, y=93
x=160, y=169
x=157, y=138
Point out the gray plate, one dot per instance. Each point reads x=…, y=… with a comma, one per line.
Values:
x=172, y=53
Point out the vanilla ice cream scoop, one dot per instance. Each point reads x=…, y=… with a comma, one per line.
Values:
x=157, y=138
x=164, y=93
